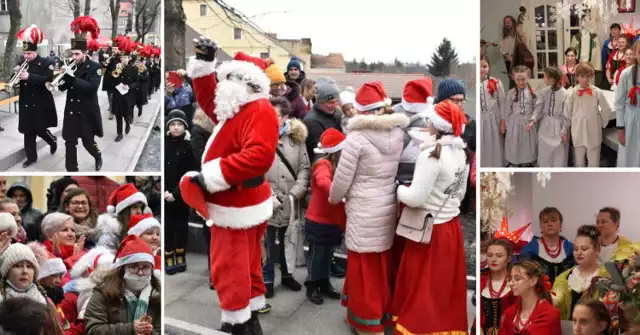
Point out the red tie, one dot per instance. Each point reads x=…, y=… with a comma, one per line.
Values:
x=586, y=90
x=632, y=94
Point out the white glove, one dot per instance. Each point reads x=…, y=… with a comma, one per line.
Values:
x=68, y=70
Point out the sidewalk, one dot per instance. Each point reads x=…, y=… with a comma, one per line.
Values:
x=190, y=307
x=117, y=157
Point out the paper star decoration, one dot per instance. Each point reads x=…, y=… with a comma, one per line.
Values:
x=512, y=236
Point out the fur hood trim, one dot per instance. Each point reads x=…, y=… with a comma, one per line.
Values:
x=108, y=223
x=378, y=122
x=86, y=261
x=201, y=119
x=298, y=131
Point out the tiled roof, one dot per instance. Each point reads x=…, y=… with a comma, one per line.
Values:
x=332, y=61
x=393, y=82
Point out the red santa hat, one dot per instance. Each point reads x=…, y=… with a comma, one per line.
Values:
x=371, y=96
x=133, y=250
x=123, y=197
x=30, y=37
x=448, y=117
x=417, y=96
x=331, y=140
x=99, y=256
x=193, y=195
x=259, y=62
x=141, y=223
x=51, y=266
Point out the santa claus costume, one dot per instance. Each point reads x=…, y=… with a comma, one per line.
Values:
x=433, y=272
x=232, y=189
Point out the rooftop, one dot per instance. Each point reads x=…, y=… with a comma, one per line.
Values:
x=332, y=61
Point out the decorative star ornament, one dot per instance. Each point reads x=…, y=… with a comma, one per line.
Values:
x=512, y=236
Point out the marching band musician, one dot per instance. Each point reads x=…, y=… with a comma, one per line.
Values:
x=37, y=109
x=155, y=70
x=109, y=62
x=122, y=106
x=141, y=94
x=82, y=112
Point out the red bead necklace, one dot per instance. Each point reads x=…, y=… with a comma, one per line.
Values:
x=519, y=325
x=496, y=294
x=555, y=252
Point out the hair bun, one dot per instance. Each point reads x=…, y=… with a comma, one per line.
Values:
x=589, y=231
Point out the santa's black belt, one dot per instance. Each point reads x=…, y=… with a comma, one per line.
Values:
x=250, y=183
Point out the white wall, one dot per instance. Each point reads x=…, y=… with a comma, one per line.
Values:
x=521, y=202
x=579, y=196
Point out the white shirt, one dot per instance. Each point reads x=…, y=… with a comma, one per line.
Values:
x=606, y=253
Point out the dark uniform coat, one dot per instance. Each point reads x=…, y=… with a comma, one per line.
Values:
x=37, y=109
x=143, y=89
x=82, y=111
x=109, y=82
x=122, y=105
x=155, y=76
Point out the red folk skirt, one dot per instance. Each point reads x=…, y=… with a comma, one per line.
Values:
x=431, y=288
x=366, y=293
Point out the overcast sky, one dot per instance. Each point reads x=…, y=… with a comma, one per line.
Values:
x=408, y=29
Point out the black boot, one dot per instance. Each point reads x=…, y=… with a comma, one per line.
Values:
x=239, y=329
x=181, y=260
x=127, y=129
x=170, y=262
x=119, y=138
x=313, y=293
x=53, y=147
x=269, y=293
x=254, y=324
x=291, y=284
x=98, y=163
x=328, y=290
x=27, y=163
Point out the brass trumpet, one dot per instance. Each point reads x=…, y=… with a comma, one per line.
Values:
x=55, y=84
x=16, y=77
x=118, y=70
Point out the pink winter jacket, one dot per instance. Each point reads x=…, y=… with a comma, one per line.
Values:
x=365, y=176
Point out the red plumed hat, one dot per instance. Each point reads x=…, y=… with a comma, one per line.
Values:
x=127, y=46
x=30, y=37
x=93, y=45
x=117, y=40
x=81, y=27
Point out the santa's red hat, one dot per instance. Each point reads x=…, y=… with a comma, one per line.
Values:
x=417, y=96
x=448, y=117
x=193, y=195
x=259, y=62
x=30, y=37
x=99, y=256
x=133, y=250
x=371, y=96
x=331, y=140
x=123, y=197
x=138, y=224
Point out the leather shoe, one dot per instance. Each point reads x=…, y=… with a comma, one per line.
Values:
x=119, y=138
x=54, y=146
x=27, y=163
x=99, y=163
x=127, y=129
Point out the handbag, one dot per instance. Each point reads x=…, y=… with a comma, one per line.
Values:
x=304, y=202
x=416, y=224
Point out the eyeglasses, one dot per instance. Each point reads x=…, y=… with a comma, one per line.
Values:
x=79, y=203
x=136, y=269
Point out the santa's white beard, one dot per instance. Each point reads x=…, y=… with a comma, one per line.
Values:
x=230, y=97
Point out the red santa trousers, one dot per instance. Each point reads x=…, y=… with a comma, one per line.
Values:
x=430, y=295
x=366, y=293
x=236, y=268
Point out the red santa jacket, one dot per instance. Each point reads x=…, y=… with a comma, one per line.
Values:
x=545, y=320
x=506, y=302
x=242, y=146
x=69, y=306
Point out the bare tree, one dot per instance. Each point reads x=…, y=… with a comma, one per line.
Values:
x=87, y=7
x=114, y=7
x=174, y=31
x=15, y=18
x=147, y=11
x=65, y=7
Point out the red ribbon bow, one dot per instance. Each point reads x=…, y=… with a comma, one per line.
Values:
x=492, y=86
x=586, y=90
x=547, y=284
x=632, y=94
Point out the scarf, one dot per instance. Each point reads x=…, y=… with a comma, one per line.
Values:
x=21, y=235
x=137, y=306
x=285, y=128
x=32, y=292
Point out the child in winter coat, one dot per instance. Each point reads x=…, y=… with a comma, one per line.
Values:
x=586, y=112
x=288, y=177
x=520, y=146
x=553, y=151
x=179, y=160
x=324, y=222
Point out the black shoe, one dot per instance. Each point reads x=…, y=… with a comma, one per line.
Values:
x=269, y=293
x=239, y=329
x=27, y=163
x=313, y=293
x=328, y=290
x=99, y=163
x=127, y=129
x=119, y=138
x=111, y=116
x=181, y=260
x=291, y=284
x=170, y=263
x=226, y=328
x=53, y=147
x=1, y=129
x=254, y=324
x=140, y=112
x=265, y=309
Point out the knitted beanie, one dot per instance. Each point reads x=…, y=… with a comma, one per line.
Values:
x=16, y=253
x=177, y=115
x=53, y=222
x=275, y=74
x=8, y=222
x=294, y=62
x=326, y=90
x=448, y=88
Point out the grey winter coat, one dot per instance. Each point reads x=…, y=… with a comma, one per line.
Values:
x=292, y=146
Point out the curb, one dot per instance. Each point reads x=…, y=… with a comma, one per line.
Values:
x=145, y=138
x=18, y=156
x=178, y=327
